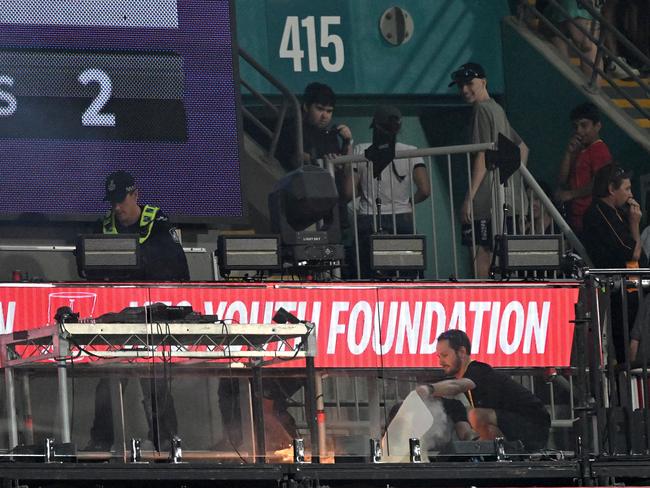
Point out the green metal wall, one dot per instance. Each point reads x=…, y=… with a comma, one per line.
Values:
x=446, y=34
x=539, y=99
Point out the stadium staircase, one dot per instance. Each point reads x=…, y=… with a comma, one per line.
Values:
x=625, y=101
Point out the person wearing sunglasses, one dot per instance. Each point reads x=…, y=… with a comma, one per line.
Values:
x=488, y=120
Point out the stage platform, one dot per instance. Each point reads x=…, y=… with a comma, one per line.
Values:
x=537, y=473
x=378, y=334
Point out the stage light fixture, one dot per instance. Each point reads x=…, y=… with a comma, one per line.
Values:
x=251, y=253
x=107, y=256
x=397, y=252
x=530, y=253
x=304, y=212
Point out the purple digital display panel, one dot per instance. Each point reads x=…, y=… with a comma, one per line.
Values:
x=92, y=86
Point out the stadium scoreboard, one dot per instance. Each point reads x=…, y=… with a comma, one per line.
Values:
x=91, y=86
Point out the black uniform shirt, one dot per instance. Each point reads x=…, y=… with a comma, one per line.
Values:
x=162, y=255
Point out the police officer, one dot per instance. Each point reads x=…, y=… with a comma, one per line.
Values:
x=161, y=253
x=162, y=259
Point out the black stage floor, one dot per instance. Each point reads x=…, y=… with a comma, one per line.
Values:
x=628, y=470
x=633, y=470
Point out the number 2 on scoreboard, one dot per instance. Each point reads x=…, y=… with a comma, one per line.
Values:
x=92, y=117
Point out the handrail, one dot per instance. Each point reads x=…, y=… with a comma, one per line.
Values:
x=467, y=149
x=553, y=212
x=288, y=99
x=600, y=46
x=421, y=153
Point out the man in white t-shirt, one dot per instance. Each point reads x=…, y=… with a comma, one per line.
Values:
x=402, y=183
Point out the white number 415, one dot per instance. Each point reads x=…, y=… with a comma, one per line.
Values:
x=290, y=43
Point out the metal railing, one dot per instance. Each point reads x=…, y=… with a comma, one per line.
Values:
x=288, y=103
x=618, y=359
x=602, y=50
x=520, y=199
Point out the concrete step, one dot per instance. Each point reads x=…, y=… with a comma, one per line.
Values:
x=623, y=103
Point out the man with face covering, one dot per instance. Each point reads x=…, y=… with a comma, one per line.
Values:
x=403, y=183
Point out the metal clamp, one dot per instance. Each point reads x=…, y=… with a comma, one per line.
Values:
x=176, y=454
x=49, y=453
x=375, y=451
x=415, y=451
x=298, y=451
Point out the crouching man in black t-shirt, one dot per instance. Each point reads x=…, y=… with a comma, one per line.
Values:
x=500, y=407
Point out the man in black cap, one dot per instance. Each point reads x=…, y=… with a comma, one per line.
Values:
x=162, y=255
x=488, y=120
x=163, y=259
x=398, y=187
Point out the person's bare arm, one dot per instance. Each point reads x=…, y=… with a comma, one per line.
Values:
x=634, y=216
x=524, y=152
x=346, y=135
x=478, y=174
x=351, y=181
x=583, y=191
x=446, y=388
x=562, y=194
x=634, y=349
x=422, y=184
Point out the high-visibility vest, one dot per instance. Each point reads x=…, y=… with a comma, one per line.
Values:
x=147, y=219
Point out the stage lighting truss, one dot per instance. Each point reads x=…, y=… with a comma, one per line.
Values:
x=126, y=341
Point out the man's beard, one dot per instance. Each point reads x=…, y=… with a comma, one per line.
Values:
x=453, y=370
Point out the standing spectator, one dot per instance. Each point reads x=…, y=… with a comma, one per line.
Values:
x=393, y=188
x=585, y=154
x=612, y=10
x=578, y=16
x=488, y=121
x=321, y=138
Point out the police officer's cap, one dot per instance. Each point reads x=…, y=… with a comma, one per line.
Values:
x=118, y=185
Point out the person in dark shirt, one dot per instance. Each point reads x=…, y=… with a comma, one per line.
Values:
x=612, y=240
x=500, y=407
x=320, y=137
x=611, y=224
x=161, y=252
x=163, y=259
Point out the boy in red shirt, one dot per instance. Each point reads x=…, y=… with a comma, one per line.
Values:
x=586, y=153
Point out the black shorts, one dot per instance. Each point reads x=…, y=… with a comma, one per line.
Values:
x=533, y=433
x=483, y=231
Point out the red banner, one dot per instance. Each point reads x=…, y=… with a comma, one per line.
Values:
x=358, y=325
